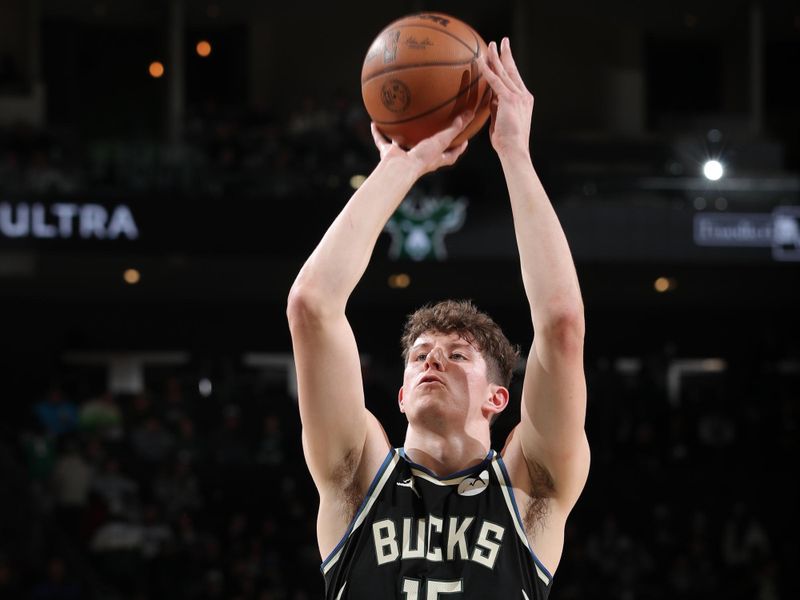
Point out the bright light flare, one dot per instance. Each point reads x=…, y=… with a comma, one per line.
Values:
x=203, y=48
x=356, y=181
x=664, y=284
x=713, y=170
x=156, y=69
x=131, y=276
x=399, y=281
x=204, y=387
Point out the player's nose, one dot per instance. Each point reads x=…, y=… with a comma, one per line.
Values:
x=435, y=358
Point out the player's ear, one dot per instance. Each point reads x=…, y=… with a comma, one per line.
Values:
x=498, y=401
x=400, y=399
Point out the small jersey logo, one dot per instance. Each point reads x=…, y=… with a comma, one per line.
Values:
x=472, y=486
x=409, y=483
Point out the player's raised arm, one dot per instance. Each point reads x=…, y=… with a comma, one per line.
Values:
x=336, y=424
x=551, y=431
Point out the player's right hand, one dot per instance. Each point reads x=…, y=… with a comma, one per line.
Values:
x=431, y=153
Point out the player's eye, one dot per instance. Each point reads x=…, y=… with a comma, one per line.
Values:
x=458, y=356
x=421, y=356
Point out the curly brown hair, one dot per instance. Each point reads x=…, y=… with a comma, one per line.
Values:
x=476, y=327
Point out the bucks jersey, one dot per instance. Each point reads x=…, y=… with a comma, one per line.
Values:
x=420, y=537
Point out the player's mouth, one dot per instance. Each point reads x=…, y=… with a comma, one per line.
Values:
x=430, y=379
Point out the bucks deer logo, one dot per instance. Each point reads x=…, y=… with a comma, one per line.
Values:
x=419, y=225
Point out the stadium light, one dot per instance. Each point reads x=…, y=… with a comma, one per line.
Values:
x=664, y=284
x=203, y=48
x=713, y=170
x=399, y=281
x=131, y=276
x=356, y=181
x=156, y=69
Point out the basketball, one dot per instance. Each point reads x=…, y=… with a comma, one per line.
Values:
x=420, y=73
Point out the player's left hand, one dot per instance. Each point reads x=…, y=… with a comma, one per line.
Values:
x=512, y=103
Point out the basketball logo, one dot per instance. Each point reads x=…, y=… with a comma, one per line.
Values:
x=390, y=46
x=395, y=95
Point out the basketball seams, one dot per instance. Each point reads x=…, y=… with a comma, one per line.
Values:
x=475, y=53
x=435, y=108
x=416, y=66
x=409, y=22
x=447, y=33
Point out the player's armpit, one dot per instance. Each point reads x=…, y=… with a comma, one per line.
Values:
x=553, y=412
x=330, y=388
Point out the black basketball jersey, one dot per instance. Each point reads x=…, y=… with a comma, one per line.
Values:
x=417, y=536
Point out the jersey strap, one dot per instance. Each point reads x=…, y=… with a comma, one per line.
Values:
x=508, y=494
x=378, y=482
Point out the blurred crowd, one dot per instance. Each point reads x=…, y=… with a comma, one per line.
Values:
x=173, y=493
x=224, y=150
x=161, y=494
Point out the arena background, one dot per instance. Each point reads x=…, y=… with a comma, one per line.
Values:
x=149, y=440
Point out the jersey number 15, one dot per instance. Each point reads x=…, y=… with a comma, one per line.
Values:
x=431, y=588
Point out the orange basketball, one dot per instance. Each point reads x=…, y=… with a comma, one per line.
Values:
x=420, y=73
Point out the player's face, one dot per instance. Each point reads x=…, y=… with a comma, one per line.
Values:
x=445, y=378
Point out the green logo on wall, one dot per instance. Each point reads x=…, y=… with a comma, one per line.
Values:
x=419, y=225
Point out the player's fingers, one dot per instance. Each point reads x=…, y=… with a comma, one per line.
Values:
x=449, y=133
x=507, y=58
x=499, y=68
x=381, y=141
x=450, y=156
x=499, y=88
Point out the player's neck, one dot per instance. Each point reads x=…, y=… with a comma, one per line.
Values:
x=444, y=454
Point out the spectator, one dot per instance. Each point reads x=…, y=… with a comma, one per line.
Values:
x=139, y=409
x=102, y=416
x=40, y=456
x=175, y=408
x=156, y=534
x=117, y=549
x=119, y=492
x=744, y=539
x=151, y=441
x=57, y=584
x=270, y=449
x=57, y=414
x=188, y=448
x=177, y=490
x=229, y=448
x=72, y=477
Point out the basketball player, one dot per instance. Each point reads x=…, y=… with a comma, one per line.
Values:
x=445, y=516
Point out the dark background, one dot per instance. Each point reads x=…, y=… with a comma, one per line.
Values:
x=234, y=165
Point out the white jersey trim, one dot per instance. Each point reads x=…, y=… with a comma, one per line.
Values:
x=440, y=482
x=511, y=503
x=451, y=479
x=378, y=483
